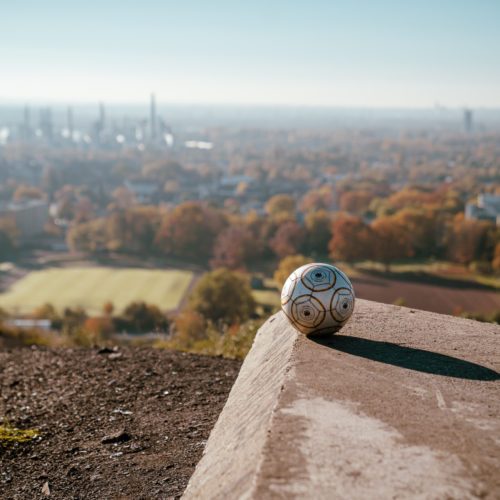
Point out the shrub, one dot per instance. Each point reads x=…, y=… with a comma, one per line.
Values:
x=223, y=296
x=232, y=342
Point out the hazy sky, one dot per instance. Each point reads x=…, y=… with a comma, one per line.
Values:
x=381, y=53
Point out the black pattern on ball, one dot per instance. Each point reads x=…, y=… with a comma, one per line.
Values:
x=318, y=278
x=308, y=311
x=342, y=304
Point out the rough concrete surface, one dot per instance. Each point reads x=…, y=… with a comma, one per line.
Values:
x=399, y=404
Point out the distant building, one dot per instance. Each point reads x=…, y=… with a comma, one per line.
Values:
x=468, y=120
x=486, y=207
x=29, y=217
x=153, y=119
x=30, y=323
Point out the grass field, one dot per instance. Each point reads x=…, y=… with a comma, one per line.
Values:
x=91, y=287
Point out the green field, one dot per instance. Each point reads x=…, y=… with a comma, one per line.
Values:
x=91, y=287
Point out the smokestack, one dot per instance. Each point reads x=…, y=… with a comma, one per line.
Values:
x=152, y=118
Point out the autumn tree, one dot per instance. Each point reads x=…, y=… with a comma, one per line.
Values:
x=288, y=265
x=189, y=231
x=234, y=248
x=280, y=204
x=317, y=199
x=318, y=232
x=88, y=237
x=133, y=230
x=352, y=239
x=288, y=240
x=421, y=227
x=223, y=295
x=467, y=240
x=412, y=197
x=356, y=202
x=392, y=240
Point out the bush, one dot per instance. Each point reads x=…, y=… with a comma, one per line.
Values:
x=139, y=317
x=233, y=342
x=223, y=296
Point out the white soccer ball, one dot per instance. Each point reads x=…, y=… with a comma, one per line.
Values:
x=317, y=298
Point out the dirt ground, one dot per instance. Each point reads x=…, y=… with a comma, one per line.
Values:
x=130, y=423
x=448, y=298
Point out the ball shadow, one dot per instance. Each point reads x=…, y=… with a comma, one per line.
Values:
x=407, y=357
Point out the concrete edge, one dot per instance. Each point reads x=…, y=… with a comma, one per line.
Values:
x=234, y=452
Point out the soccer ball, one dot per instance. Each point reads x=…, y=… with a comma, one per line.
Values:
x=317, y=298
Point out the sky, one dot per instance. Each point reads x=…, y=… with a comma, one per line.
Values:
x=351, y=53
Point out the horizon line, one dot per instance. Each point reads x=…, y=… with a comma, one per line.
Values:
x=64, y=103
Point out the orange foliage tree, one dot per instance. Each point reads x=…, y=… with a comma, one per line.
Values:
x=356, y=202
x=190, y=230
x=467, y=240
x=288, y=240
x=352, y=239
x=392, y=240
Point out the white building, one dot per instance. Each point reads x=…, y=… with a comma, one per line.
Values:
x=29, y=217
x=486, y=207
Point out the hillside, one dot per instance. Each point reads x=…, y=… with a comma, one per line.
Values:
x=130, y=423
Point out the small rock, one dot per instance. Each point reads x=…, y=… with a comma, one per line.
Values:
x=46, y=489
x=122, y=412
x=105, y=350
x=117, y=437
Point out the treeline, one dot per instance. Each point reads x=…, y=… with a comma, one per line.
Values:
x=412, y=223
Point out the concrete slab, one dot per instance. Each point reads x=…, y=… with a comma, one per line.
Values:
x=399, y=404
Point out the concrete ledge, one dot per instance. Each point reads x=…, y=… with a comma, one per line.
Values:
x=401, y=403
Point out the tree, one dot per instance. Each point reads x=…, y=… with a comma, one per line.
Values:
x=412, y=197
x=133, y=230
x=356, y=202
x=234, y=248
x=288, y=240
x=88, y=237
x=392, y=240
x=189, y=231
x=495, y=264
x=140, y=317
x=352, y=239
x=223, y=296
x=467, y=240
x=280, y=204
x=421, y=228
x=317, y=199
x=288, y=265
x=318, y=232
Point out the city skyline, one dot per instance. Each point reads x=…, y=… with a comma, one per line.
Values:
x=366, y=54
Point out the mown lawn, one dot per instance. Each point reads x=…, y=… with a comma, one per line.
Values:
x=92, y=287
